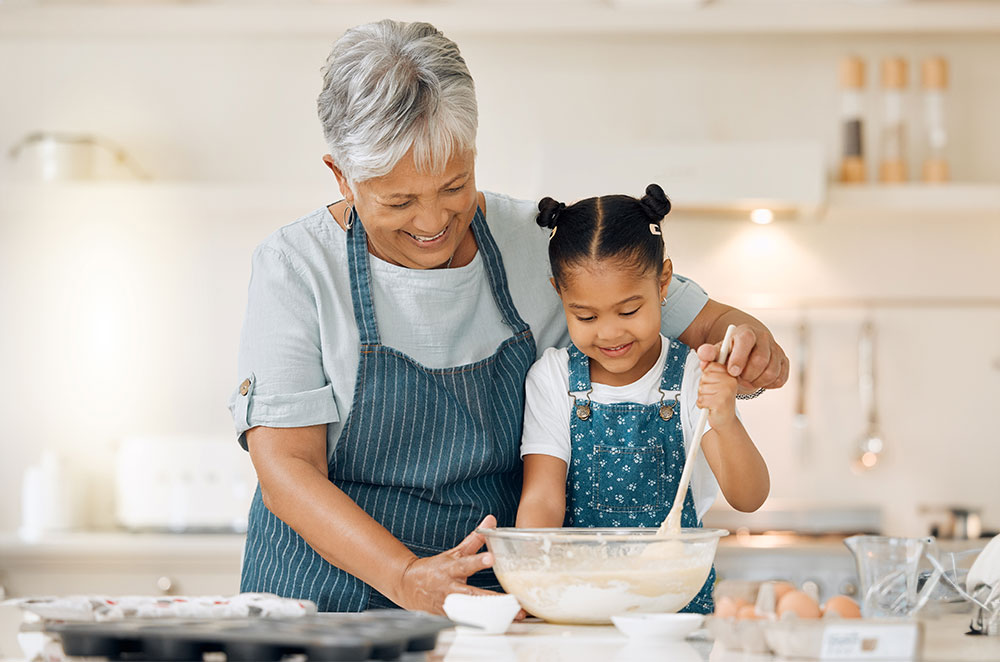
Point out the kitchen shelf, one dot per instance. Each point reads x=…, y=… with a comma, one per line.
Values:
x=913, y=202
x=323, y=19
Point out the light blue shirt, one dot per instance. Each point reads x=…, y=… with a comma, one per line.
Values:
x=299, y=349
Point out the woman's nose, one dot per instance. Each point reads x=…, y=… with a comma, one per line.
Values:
x=431, y=220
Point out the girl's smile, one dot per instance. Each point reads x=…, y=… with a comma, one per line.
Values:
x=619, y=350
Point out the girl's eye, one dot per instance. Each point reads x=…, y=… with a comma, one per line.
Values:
x=585, y=319
x=631, y=312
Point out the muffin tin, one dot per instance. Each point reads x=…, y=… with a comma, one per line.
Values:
x=372, y=635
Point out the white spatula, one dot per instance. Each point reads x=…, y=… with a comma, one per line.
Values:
x=672, y=525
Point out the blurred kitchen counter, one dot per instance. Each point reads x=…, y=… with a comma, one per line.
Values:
x=819, y=543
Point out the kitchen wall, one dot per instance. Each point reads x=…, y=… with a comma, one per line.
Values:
x=121, y=305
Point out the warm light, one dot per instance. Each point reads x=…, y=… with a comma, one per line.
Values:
x=762, y=216
x=869, y=459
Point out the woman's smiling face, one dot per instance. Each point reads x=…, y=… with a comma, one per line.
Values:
x=417, y=219
x=613, y=313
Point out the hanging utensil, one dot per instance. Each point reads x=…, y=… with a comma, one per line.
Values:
x=800, y=421
x=672, y=524
x=870, y=446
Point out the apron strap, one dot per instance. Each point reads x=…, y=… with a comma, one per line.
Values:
x=496, y=274
x=361, y=293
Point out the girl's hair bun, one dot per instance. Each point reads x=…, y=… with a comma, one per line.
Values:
x=548, y=212
x=655, y=203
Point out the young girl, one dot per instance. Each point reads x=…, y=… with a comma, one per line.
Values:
x=607, y=420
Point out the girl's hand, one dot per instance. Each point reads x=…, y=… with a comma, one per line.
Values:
x=717, y=394
x=426, y=582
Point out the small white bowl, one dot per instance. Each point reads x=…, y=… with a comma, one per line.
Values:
x=660, y=626
x=490, y=614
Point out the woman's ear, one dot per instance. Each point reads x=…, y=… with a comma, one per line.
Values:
x=345, y=187
x=668, y=273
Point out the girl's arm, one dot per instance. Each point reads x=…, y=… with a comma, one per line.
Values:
x=543, y=497
x=732, y=455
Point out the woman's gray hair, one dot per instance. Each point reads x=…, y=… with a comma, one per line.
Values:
x=389, y=87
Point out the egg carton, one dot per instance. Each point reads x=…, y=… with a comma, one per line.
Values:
x=373, y=635
x=762, y=633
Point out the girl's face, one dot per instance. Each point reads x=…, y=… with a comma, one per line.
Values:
x=613, y=313
x=416, y=219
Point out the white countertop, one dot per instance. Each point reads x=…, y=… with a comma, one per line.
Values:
x=535, y=641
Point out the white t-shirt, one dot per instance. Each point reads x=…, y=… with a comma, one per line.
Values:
x=548, y=407
x=299, y=350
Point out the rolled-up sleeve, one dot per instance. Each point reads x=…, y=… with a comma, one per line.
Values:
x=282, y=380
x=685, y=299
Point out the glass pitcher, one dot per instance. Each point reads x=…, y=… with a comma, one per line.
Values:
x=888, y=573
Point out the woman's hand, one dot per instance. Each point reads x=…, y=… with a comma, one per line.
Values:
x=756, y=360
x=426, y=582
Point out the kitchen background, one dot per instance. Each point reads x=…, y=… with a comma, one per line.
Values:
x=121, y=300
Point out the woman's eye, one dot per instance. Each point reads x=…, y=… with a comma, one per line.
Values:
x=630, y=313
x=401, y=205
x=455, y=190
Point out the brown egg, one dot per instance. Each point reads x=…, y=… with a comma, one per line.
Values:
x=842, y=606
x=727, y=606
x=747, y=613
x=798, y=603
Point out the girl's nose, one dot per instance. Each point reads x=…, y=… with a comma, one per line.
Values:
x=609, y=331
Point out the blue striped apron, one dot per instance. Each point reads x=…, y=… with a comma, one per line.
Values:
x=427, y=452
x=627, y=458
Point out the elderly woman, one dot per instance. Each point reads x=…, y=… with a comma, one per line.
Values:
x=387, y=338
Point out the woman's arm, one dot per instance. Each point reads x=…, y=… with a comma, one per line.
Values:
x=291, y=466
x=756, y=358
x=543, y=497
x=732, y=455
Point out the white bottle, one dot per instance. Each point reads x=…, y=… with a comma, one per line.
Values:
x=892, y=146
x=46, y=498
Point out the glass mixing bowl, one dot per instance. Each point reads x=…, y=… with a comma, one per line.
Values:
x=585, y=576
